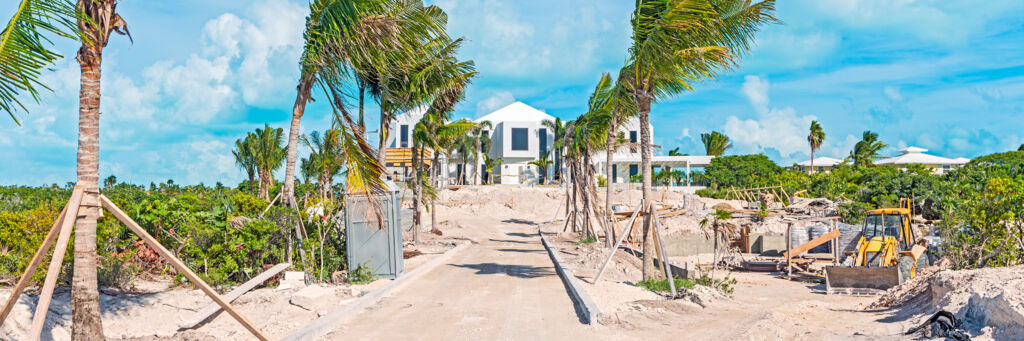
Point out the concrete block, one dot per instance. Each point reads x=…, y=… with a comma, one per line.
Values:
x=311, y=297
x=292, y=280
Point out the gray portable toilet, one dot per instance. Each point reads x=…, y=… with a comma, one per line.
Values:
x=367, y=242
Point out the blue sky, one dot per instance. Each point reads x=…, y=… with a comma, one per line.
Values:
x=943, y=75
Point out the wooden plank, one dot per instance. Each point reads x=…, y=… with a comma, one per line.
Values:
x=66, y=226
x=822, y=239
x=163, y=252
x=619, y=242
x=33, y=265
x=213, y=308
x=663, y=253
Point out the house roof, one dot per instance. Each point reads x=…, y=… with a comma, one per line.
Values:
x=516, y=112
x=911, y=155
x=823, y=161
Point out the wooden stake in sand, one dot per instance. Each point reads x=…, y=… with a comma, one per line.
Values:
x=213, y=308
x=53, y=271
x=33, y=265
x=178, y=265
x=617, y=243
x=664, y=253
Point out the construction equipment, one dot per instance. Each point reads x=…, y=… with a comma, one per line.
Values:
x=888, y=253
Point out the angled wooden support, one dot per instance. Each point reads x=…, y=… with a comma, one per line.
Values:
x=53, y=271
x=617, y=243
x=213, y=308
x=33, y=265
x=664, y=253
x=178, y=265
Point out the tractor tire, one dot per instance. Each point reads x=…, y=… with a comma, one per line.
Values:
x=906, y=268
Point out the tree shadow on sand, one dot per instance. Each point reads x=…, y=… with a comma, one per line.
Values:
x=521, y=271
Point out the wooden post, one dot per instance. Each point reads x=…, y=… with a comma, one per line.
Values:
x=163, y=252
x=619, y=242
x=66, y=227
x=33, y=265
x=213, y=308
x=664, y=253
x=789, y=246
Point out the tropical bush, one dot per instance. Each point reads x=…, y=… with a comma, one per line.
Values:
x=219, y=232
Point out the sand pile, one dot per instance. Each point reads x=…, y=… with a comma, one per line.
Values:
x=990, y=300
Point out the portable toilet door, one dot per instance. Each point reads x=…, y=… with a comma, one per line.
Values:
x=373, y=243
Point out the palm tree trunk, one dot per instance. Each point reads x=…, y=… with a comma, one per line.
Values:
x=301, y=98
x=85, y=299
x=382, y=134
x=644, y=106
x=362, y=99
x=812, y=161
x=435, y=169
x=609, y=177
x=476, y=162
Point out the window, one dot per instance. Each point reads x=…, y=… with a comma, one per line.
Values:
x=520, y=139
x=633, y=170
x=405, y=135
x=543, y=141
x=821, y=169
x=615, y=174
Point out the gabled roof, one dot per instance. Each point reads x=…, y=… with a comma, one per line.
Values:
x=823, y=161
x=516, y=112
x=911, y=155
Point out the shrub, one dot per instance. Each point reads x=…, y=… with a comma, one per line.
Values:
x=661, y=285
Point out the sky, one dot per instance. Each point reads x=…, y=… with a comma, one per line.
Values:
x=945, y=75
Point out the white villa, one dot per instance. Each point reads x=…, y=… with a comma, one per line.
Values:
x=908, y=156
x=518, y=137
x=820, y=164
x=915, y=155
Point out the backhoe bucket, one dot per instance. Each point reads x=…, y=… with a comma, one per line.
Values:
x=860, y=280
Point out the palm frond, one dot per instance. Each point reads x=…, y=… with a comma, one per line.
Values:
x=25, y=49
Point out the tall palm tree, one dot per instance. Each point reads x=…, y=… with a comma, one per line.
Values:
x=97, y=19
x=558, y=132
x=26, y=51
x=244, y=159
x=267, y=154
x=339, y=35
x=480, y=133
x=715, y=143
x=865, y=152
x=325, y=159
x=815, y=139
x=676, y=43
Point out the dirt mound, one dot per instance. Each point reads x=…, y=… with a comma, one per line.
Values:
x=990, y=300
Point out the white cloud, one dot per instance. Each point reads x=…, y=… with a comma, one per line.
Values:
x=498, y=100
x=893, y=93
x=773, y=128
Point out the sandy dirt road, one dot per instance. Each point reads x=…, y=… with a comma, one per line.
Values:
x=502, y=288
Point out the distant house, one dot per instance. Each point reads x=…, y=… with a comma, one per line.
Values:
x=915, y=155
x=519, y=137
x=821, y=164
x=626, y=159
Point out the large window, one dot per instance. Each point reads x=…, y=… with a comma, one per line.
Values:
x=633, y=170
x=615, y=173
x=632, y=139
x=405, y=135
x=543, y=142
x=520, y=139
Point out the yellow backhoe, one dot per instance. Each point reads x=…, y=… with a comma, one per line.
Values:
x=888, y=253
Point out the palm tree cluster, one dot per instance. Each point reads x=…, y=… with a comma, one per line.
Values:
x=675, y=44
x=866, y=151
x=715, y=143
x=261, y=153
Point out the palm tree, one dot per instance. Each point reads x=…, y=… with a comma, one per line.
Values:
x=325, y=159
x=715, y=143
x=342, y=34
x=865, y=152
x=244, y=159
x=558, y=132
x=542, y=164
x=481, y=132
x=25, y=50
x=97, y=19
x=267, y=154
x=676, y=43
x=815, y=138
x=675, y=152
x=489, y=165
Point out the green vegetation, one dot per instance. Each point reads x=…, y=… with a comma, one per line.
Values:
x=362, y=274
x=661, y=285
x=715, y=143
x=217, y=231
x=981, y=205
x=588, y=240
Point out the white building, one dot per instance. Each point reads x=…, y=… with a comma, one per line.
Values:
x=820, y=164
x=517, y=138
x=915, y=155
x=626, y=159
